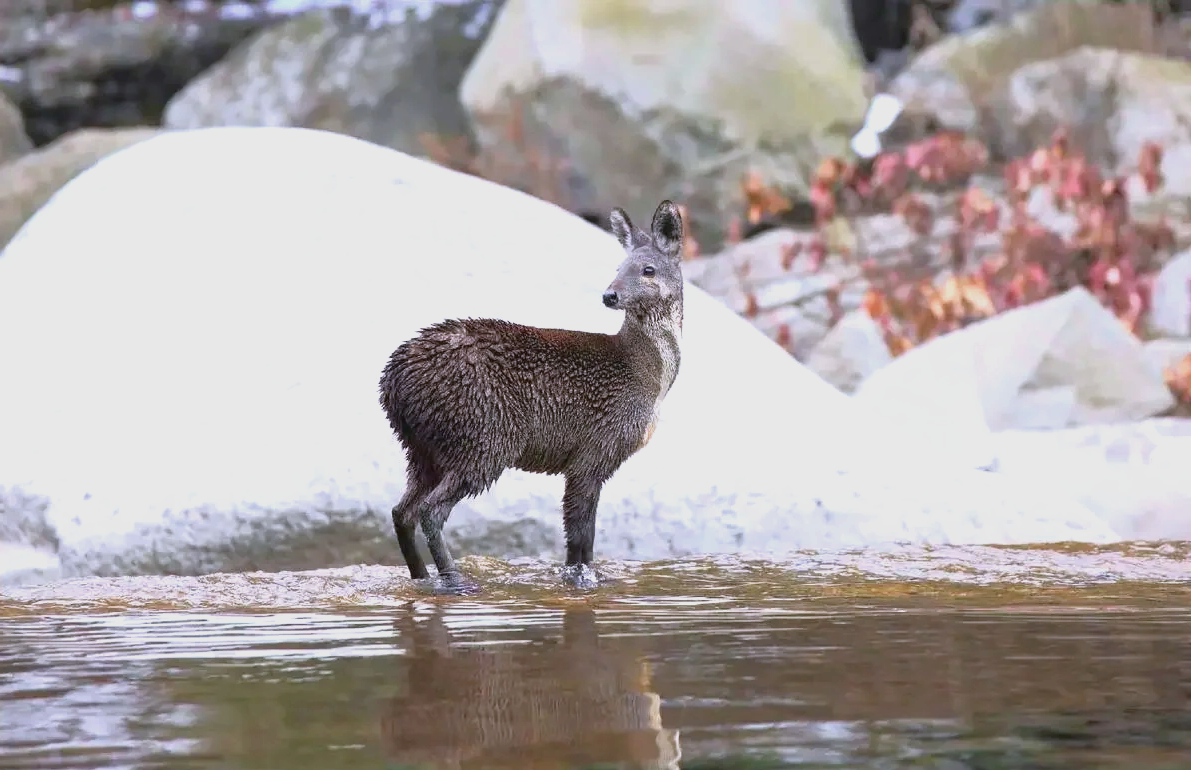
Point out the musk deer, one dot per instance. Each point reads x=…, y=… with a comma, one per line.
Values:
x=469, y=398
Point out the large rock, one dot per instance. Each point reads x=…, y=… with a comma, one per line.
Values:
x=961, y=81
x=660, y=98
x=70, y=64
x=1134, y=475
x=193, y=331
x=27, y=183
x=389, y=82
x=1062, y=362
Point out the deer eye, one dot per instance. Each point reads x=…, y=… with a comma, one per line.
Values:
x=647, y=270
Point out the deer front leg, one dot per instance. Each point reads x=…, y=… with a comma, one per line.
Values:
x=579, y=502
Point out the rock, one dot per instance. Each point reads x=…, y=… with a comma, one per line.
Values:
x=851, y=351
x=193, y=331
x=960, y=81
x=27, y=183
x=67, y=67
x=653, y=99
x=1170, y=300
x=1065, y=361
x=1133, y=474
x=332, y=68
x=1115, y=101
x=13, y=141
x=1164, y=354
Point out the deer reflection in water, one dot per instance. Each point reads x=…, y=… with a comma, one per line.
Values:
x=550, y=704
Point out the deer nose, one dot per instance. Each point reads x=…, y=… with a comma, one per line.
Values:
x=610, y=298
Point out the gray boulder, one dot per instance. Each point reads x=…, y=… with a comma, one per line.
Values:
x=31, y=180
x=658, y=98
x=70, y=64
x=392, y=82
x=962, y=80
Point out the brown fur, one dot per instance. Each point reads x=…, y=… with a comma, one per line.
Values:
x=469, y=398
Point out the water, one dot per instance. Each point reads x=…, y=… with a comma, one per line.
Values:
x=955, y=658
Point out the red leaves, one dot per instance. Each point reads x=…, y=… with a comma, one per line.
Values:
x=945, y=157
x=1108, y=253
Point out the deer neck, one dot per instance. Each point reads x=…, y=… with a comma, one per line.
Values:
x=654, y=338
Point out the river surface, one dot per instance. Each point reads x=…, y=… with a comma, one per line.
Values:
x=947, y=658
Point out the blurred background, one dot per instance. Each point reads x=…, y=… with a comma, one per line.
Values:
x=1038, y=145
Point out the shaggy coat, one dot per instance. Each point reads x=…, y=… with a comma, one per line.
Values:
x=469, y=398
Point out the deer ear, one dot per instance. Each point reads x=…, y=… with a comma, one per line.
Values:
x=622, y=227
x=667, y=229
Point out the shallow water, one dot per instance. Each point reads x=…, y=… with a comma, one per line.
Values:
x=956, y=658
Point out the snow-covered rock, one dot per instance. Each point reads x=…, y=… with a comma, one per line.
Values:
x=933, y=392
x=193, y=330
x=1134, y=475
x=1062, y=362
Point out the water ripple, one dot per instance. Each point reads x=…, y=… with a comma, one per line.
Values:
x=854, y=575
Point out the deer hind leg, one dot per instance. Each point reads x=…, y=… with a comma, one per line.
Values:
x=421, y=480
x=435, y=512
